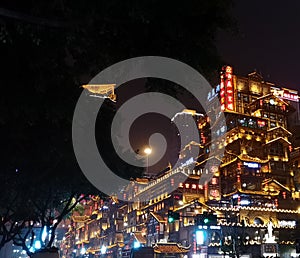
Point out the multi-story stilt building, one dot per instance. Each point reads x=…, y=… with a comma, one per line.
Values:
x=256, y=141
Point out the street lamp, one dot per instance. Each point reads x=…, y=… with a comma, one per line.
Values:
x=147, y=151
x=103, y=249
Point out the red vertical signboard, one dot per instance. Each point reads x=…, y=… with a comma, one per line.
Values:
x=226, y=89
x=222, y=92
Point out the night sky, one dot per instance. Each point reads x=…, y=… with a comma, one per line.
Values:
x=269, y=41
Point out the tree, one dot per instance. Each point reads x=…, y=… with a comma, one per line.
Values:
x=43, y=202
x=14, y=214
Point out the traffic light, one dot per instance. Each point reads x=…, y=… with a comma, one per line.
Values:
x=211, y=219
x=172, y=216
x=206, y=219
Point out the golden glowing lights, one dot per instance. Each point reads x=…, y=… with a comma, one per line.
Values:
x=148, y=151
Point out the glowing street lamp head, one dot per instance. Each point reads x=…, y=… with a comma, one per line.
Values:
x=83, y=251
x=103, y=249
x=148, y=151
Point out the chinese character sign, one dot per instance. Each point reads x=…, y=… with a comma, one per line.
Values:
x=227, y=89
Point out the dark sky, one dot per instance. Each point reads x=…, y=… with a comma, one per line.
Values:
x=269, y=41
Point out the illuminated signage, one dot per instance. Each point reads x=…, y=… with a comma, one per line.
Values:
x=214, y=193
x=235, y=196
x=200, y=237
x=213, y=93
x=287, y=223
x=261, y=123
x=268, y=249
x=251, y=164
x=222, y=93
x=287, y=94
x=226, y=89
x=290, y=96
x=229, y=88
x=214, y=181
x=187, y=162
x=244, y=202
x=214, y=169
x=192, y=186
x=214, y=227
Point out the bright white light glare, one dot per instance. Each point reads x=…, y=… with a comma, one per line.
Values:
x=180, y=202
x=251, y=164
x=44, y=234
x=83, y=250
x=37, y=244
x=285, y=223
x=103, y=249
x=215, y=227
x=199, y=237
x=136, y=244
x=245, y=202
x=195, y=255
x=235, y=196
x=148, y=151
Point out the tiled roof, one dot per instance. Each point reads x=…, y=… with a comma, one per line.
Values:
x=246, y=157
x=280, y=128
x=270, y=95
x=139, y=237
x=157, y=217
x=142, y=180
x=271, y=180
x=93, y=250
x=280, y=139
x=170, y=248
x=84, y=218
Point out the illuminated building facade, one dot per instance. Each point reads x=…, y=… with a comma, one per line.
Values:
x=96, y=228
x=256, y=181
x=255, y=165
x=255, y=175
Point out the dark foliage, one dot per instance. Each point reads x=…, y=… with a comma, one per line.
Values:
x=49, y=48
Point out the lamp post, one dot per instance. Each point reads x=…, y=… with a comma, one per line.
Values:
x=147, y=151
